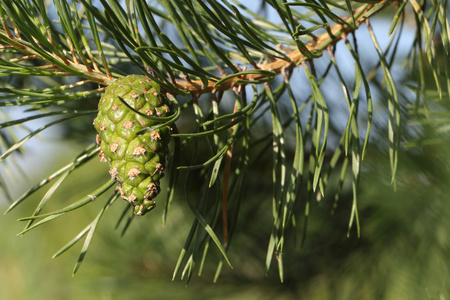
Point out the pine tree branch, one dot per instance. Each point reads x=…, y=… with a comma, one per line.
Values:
x=58, y=64
x=319, y=44
x=61, y=65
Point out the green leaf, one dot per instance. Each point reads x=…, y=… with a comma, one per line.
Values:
x=83, y=201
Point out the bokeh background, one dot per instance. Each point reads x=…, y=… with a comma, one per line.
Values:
x=403, y=252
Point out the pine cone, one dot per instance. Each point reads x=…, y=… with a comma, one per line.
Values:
x=136, y=155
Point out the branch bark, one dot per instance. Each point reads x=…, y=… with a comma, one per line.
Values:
x=296, y=57
x=320, y=43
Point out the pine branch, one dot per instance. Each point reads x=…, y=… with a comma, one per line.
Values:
x=296, y=57
x=59, y=65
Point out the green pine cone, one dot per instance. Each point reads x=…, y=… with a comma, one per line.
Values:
x=136, y=156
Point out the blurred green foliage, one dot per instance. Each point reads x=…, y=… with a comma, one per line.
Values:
x=402, y=253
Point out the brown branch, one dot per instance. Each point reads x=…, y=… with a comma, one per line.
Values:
x=319, y=44
x=66, y=66
x=226, y=178
x=296, y=57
